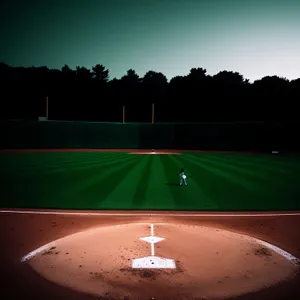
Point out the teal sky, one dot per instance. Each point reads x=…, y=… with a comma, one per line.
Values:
x=256, y=38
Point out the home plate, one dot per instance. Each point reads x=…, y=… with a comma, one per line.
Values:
x=153, y=262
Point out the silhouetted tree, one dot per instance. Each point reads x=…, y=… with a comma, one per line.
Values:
x=229, y=79
x=176, y=101
x=131, y=96
x=99, y=73
x=197, y=92
x=294, y=92
x=131, y=78
x=130, y=86
x=68, y=73
x=114, y=91
x=83, y=73
x=4, y=72
x=154, y=84
x=197, y=75
x=82, y=94
x=271, y=92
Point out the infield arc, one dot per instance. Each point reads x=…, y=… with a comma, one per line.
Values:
x=210, y=263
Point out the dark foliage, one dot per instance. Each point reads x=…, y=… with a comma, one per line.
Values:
x=90, y=95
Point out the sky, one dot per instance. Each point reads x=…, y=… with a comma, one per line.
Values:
x=256, y=38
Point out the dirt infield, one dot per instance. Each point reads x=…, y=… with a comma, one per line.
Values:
x=132, y=151
x=141, y=151
x=155, y=152
x=64, y=150
x=215, y=258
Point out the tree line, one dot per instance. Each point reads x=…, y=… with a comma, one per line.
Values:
x=91, y=95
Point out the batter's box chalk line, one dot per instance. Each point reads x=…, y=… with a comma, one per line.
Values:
x=153, y=262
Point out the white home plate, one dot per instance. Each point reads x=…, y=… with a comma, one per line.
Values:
x=153, y=262
x=152, y=239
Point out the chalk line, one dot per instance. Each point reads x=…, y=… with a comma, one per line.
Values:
x=152, y=244
x=138, y=214
x=37, y=251
x=285, y=254
x=152, y=249
x=294, y=260
x=280, y=251
x=152, y=229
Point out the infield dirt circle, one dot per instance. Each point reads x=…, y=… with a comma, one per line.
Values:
x=210, y=263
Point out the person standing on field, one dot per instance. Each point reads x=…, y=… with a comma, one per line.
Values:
x=182, y=177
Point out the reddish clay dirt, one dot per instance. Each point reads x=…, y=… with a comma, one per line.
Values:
x=155, y=152
x=99, y=262
x=22, y=233
x=132, y=151
x=141, y=151
x=64, y=150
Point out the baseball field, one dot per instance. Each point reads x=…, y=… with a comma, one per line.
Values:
x=116, y=224
x=121, y=180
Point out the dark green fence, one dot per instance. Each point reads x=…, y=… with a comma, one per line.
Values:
x=202, y=136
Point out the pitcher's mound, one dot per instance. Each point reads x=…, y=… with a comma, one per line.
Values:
x=153, y=151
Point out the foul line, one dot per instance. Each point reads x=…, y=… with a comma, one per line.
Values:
x=37, y=251
x=293, y=259
x=138, y=214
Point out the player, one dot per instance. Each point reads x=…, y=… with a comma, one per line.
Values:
x=182, y=177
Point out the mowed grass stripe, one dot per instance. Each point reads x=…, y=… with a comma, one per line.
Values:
x=142, y=184
x=222, y=188
x=72, y=157
x=275, y=163
x=191, y=197
x=236, y=159
x=87, y=165
x=273, y=160
x=96, y=189
x=99, y=172
x=36, y=165
x=246, y=177
x=258, y=172
x=64, y=190
x=71, y=173
x=202, y=200
x=224, y=171
x=277, y=191
x=158, y=194
x=50, y=158
x=78, y=157
x=64, y=168
x=74, y=162
x=130, y=192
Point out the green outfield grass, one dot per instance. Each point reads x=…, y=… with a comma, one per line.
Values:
x=103, y=180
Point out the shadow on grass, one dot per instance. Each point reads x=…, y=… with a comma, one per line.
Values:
x=172, y=184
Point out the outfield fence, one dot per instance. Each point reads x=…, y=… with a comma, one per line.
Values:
x=243, y=136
